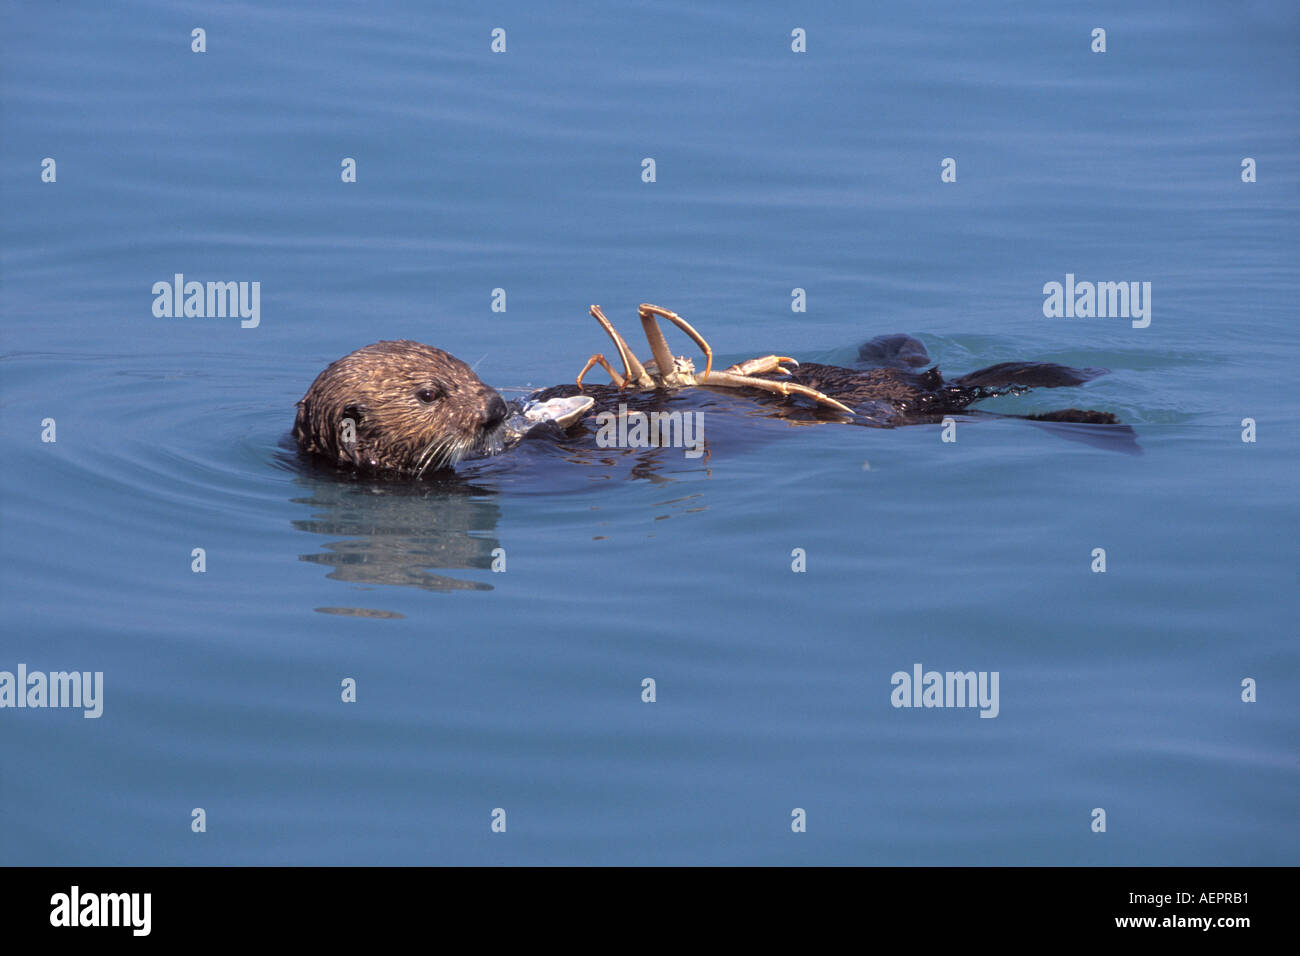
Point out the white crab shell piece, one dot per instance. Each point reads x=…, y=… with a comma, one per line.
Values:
x=563, y=411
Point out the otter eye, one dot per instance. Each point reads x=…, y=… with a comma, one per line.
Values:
x=428, y=395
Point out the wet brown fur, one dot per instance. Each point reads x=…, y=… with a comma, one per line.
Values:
x=383, y=389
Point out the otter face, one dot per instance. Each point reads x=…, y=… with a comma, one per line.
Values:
x=399, y=407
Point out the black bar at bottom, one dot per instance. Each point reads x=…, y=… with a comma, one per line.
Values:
x=208, y=905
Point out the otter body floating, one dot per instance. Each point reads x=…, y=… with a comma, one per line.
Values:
x=404, y=408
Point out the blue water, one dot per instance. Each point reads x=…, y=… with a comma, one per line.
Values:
x=521, y=690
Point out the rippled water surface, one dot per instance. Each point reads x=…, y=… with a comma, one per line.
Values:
x=522, y=690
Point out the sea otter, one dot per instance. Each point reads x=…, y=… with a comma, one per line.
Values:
x=399, y=407
x=407, y=409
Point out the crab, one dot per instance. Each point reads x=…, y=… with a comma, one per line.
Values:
x=668, y=371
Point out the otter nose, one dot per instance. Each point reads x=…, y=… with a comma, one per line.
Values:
x=496, y=411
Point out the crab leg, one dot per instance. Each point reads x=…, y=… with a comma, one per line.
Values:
x=600, y=360
x=729, y=379
x=659, y=345
x=768, y=363
x=635, y=371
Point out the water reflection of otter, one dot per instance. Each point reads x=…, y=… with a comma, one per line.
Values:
x=392, y=532
x=402, y=532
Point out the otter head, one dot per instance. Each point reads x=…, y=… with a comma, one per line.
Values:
x=399, y=407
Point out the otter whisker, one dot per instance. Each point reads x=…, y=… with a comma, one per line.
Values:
x=428, y=456
x=455, y=452
x=442, y=453
x=422, y=457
